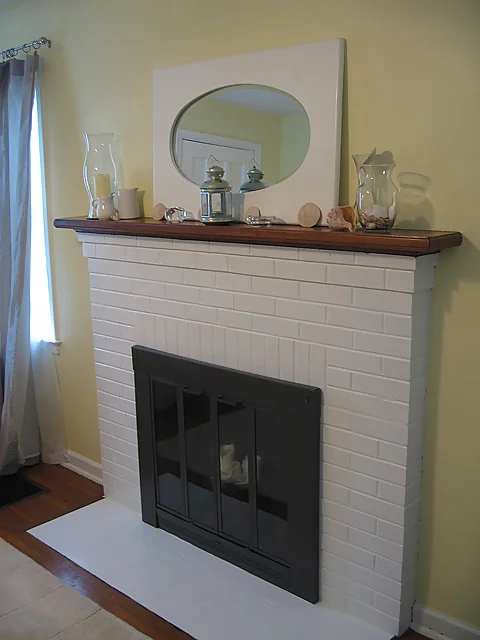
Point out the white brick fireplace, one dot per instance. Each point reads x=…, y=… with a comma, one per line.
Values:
x=353, y=324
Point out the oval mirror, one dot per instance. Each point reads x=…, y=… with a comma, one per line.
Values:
x=242, y=128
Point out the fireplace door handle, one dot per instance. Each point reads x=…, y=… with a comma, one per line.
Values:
x=232, y=403
x=192, y=392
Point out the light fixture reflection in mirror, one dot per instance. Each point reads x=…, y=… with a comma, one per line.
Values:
x=245, y=127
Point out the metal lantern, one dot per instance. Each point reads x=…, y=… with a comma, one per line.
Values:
x=216, y=197
x=254, y=182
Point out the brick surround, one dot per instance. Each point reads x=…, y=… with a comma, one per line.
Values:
x=353, y=324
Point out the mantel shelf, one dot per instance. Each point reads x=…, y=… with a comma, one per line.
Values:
x=404, y=242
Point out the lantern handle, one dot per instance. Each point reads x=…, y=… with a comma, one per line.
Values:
x=213, y=158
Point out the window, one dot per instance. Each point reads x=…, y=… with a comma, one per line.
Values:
x=41, y=309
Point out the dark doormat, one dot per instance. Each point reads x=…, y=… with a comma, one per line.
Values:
x=15, y=488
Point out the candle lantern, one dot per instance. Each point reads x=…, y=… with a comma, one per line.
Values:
x=254, y=182
x=216, y=197
x=101, y=167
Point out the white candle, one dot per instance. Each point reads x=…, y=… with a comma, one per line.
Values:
x=102, y=185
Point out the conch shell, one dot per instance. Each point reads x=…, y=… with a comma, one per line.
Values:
x=341, y=218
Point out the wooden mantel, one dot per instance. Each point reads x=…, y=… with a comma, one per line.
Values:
x=398, y=242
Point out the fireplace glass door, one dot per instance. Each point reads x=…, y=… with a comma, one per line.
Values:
x=233, y=460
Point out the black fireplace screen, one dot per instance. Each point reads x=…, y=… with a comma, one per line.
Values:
x=229, y=461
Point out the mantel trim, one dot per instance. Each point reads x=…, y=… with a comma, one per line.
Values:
x=403, y=242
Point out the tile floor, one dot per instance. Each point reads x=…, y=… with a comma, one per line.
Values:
x=208, y=598
x=36, y=605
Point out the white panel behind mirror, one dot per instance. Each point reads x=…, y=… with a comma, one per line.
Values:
x=312, y=73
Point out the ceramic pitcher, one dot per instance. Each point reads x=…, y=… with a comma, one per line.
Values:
x=103, y=208
x=128, y=207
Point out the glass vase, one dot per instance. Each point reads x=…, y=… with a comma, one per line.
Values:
x=359, y=159
x=376, y=198
x=100, y=172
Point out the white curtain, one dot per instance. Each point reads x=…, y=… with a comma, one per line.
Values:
x=31, y=424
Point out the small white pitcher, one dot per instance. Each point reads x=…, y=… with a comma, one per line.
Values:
x=103, y=208
x=128, y=207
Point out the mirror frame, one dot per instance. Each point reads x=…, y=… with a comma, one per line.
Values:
x=312, y=73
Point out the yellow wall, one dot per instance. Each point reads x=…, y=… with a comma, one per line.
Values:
x=412, y=86
x=295, y=143
x=233, y=121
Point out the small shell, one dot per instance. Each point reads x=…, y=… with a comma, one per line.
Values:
x=336, y=220
x=349, y=215
x=376, y=217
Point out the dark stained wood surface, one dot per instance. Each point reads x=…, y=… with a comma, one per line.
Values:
x=398, y=242
x=69, y=491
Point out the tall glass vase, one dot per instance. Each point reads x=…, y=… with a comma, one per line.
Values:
x=101, y=167
x=376, y=197
x=359, y=159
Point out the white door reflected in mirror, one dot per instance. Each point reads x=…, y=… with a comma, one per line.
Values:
x=242, y=127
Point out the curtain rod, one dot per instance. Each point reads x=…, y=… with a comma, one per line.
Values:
x=36, y=44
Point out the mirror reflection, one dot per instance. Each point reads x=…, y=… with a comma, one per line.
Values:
x=248, y=130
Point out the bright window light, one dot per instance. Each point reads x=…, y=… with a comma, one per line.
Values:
x=41, y=310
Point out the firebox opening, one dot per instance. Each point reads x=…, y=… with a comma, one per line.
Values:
x=229, y=461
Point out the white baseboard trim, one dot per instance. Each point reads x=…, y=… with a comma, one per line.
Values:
x=84, y=466
x=439, y=627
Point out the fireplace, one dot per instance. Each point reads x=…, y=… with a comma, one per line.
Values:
x=200, y=427
x=351, y=323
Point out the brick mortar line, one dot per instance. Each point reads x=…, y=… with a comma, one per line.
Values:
x=250, y=293
x=274, y=277
x=326, y=304
x=105, y=433
x=363, y=435
x=266, y=316
x=313, y=344
x=107, y=407
x=374, y=535
x=367, y=495
x=121, y=452
x=113, y=421
x=350, y=597
x=365, y=393
x=119, y=477
x=112, y=352
x=303, y=341
x=123, y=384
x=373, y=553
x=397, y=582
x=183, y=248
x=362, y=473
x=289, y=258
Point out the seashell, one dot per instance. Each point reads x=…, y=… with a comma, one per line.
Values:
x=349, y=215
x=376, y=211
x=375, y=217
x=336, y=219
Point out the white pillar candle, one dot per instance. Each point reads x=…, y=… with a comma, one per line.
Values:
x=102, y=185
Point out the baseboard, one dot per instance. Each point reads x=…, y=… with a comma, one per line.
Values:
x=84, y=466
x=439, y=627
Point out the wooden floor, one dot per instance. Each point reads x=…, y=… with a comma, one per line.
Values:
x=69, y=491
